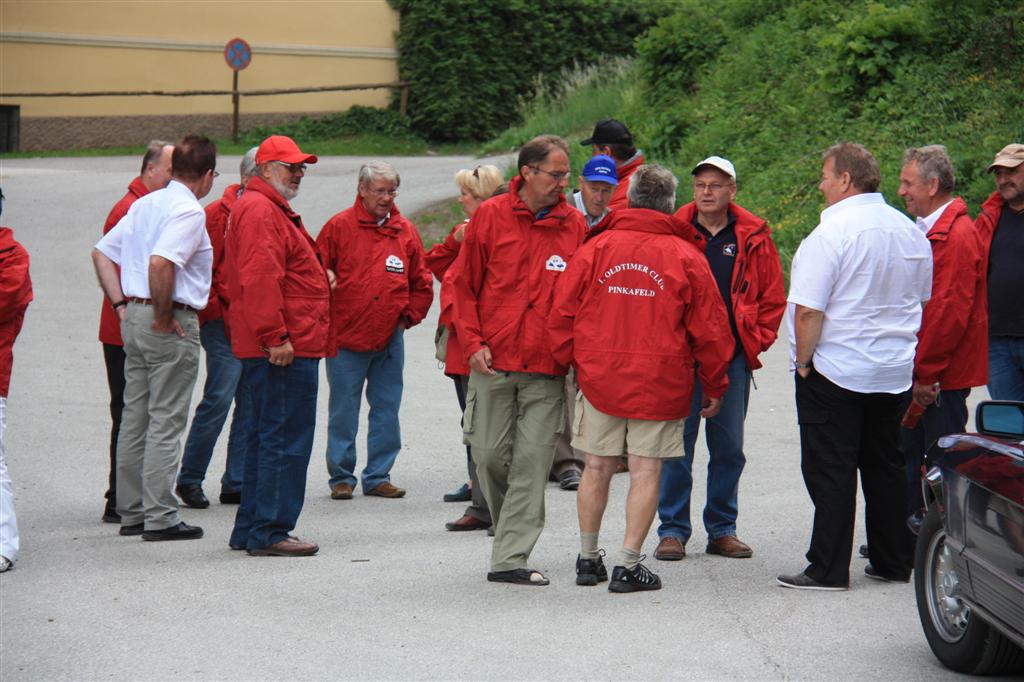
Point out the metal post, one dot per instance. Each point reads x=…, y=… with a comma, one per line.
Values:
x=234, y=104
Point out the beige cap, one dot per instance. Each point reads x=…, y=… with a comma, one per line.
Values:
x=1010, y=156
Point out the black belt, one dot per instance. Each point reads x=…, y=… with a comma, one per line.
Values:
x=149, y=301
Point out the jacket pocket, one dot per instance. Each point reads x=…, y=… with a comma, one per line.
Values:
x=469, y=416
x=577, y=417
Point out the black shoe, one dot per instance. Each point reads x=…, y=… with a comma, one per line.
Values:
x=863, y=551
x=182, y=531
x=590, y=572
x=490, y=531
x=569, y=480
x=802, y=581
x=640, y=578
x=463, y=494
x=134, y=529
x=870, y=572
x=110, y=515
x=192, y=496
x=230, y=497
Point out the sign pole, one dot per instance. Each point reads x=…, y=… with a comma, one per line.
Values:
x=234, y=104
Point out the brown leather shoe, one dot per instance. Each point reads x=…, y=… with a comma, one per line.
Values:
x=342, y=491
x=670, y=549
x=290, y=546
x=385, y=489
x=467, y=522
x=730, y=546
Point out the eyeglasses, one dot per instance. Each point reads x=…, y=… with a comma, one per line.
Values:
x=557, y=175
x=383, y=192
x=215, y=173
x=699, y=187
x=293, y=168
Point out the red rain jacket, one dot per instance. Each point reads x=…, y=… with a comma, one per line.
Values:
x=15, y=295
x=952, y=345
x=985, y=224
x=443, y=254
x=110, y=325
x=439, y=259
x=619, y=198
x=758, y=292
x=278, y=290
x=635, y=311
x=382, y=278
x=217, y=226
x=504, y=280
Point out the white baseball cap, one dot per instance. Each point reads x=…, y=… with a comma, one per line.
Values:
x=724, y=165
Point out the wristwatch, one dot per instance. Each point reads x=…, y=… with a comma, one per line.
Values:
x=802, y=365
x=117, y=305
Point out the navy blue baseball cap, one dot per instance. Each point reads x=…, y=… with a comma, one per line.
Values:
x=601, y=168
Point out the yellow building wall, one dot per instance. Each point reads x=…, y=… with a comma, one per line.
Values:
x=90, y=45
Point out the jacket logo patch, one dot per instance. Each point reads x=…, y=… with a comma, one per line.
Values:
x=555, y=264
x=729, y=250
x=394, y=264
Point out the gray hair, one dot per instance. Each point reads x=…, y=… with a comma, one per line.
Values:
x=374, y=170
x=654, y=187
x=933, y=162
x=153, y=151
x=247, y=168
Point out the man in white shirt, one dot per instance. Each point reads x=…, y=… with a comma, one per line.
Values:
x=856, y=289
x=166, y=260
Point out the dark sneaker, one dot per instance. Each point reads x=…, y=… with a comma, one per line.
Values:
x=192, y=496
x=134, y=529
x=110, y=515
x=863, y=551
x=802, y=581
x=569, y=480
x=870, y=572
x=590, y=571
x=463, y=494
x=640, y=578
x=230, y=497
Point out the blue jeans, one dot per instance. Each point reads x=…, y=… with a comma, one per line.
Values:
x=283, y=404
x=724, y=435
x=1006, y=368
x=381, y=373
x=223, y=371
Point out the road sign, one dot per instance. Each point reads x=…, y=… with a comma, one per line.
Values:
x=237, y=54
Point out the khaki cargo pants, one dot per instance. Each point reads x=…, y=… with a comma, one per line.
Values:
x=511, y=423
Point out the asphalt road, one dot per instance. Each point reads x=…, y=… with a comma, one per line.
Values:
x=391, y=595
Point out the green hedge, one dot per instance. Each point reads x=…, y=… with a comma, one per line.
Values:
x=470, y=63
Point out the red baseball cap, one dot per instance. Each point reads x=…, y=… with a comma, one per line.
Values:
x=282, y=148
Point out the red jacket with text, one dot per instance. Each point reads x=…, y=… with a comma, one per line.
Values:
x=277, y=288
x=382, y=277
x=758, y=291
x=952, y=345
x=110, y=325
x=217, y=226
x=504, y=280
x=636, y=312
x=619, y=198
x=15, y=295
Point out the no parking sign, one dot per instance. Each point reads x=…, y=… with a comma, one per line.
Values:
x=237, y=54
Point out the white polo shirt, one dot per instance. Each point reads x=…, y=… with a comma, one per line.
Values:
x=169, y=223
x=869, y=269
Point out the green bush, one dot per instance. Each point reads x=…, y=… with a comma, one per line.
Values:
x=470, y=63
x=358, y=120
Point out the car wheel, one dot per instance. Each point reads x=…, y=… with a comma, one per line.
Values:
x=958, y=638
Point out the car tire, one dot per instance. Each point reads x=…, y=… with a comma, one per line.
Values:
x=959, y=639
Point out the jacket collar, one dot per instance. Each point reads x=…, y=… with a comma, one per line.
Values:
x=137, y=187
x=392, y=226
x=261, y=186
x=555, y=215
x=644, y=220
x=956, y=208
x=230, y=196
x=749, y=227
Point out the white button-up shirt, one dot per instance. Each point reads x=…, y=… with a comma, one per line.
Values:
x=169, y=223
x=928, y=222
x=869, y=269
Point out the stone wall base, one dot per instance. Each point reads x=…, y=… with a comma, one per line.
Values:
x=84, y=132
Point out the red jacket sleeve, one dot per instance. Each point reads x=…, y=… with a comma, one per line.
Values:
x=421, y=284
x=466, y=284
x=707, y=328
x=15, y=283
x=441, y=255
x=568, y=293
x=771, y=299
x=327, y=244
x=946, y=315
x=261, y=262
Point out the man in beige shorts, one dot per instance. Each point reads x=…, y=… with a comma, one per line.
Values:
x=634, y=311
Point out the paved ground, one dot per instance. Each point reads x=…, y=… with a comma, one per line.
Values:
x=391, y=594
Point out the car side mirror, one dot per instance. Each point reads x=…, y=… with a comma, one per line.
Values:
x=1000, y=418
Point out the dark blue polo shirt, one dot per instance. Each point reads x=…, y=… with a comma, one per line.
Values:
x=721, y=252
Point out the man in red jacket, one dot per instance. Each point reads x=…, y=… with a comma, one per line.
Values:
x=155, y=174
x=952, y=345
x=502, y=286
x=613, y=139
x=279, y=316
x=15, y=295
x=223, y=372
x=383, y=288
x=739, y=249
x=636, y=310
x=1001, y=230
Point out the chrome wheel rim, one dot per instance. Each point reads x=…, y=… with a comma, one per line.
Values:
x=949, y=614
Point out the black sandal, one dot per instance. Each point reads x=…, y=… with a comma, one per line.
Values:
x=518, y=576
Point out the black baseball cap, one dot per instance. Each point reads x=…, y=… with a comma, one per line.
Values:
x=609, y=131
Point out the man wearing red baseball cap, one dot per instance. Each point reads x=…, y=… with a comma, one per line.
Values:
x=278, y=315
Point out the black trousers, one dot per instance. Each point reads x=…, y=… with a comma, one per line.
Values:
x=841, y=432
x=948, y=415
x=113, y=357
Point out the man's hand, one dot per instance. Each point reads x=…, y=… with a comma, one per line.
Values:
x=282, y=355
x=480, y=362
x=121, y=311
x=804, y=372
x=925, y=394
x=710, y=406
x=460, y=232
x=332, y=279
x=162, y=325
